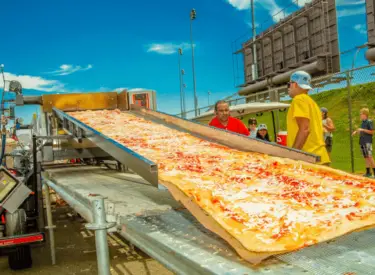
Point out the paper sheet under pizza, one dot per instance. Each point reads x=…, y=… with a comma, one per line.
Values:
x=269, y=205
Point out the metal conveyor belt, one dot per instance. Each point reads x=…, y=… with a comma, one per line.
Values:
x=152, y=220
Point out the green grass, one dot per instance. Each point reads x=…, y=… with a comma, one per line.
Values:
x=337, y=103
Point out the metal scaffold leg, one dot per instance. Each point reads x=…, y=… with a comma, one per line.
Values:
x=50, y=225
x=100, y=227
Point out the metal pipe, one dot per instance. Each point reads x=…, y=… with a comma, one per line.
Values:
x=38, y=100
x=98, y=218
x=179, y=75
x=55, y=137
x=100, y=226
x=182, y=73
x=35, y=173
x=348, y=83
x=192, y=17
x=79, y=207
x=274, y=125
x=255, y=65
x=3, y=93
x=312, y=68
x=355, y=56
x=153, y=253
x=50, y=225
x=370, y=54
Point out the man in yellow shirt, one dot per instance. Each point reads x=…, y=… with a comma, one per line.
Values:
x=304, y=123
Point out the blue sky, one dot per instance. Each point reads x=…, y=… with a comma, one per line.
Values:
x=82, y=46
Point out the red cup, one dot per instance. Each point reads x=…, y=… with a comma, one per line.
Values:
x=282, y=138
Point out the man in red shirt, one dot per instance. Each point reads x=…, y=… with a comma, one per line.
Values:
x=223, y=120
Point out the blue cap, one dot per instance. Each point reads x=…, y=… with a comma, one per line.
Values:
x=324, y=110
x=302, y=78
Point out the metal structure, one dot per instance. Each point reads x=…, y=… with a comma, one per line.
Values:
x=81, y=141
x=305, y=40
x=193, y=16
x=143, y=98
x=182, y=93
x=151, y=220
x=147, y=216
x=370, y=18
x=254, y=52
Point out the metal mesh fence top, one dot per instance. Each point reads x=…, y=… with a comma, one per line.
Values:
x=343, y=94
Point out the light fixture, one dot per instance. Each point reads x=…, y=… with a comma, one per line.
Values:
x=15, y=87
x=193, y=14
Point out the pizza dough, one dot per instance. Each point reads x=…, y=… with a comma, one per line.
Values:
x=268, y=205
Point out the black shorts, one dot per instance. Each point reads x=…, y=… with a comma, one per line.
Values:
x=366, y=150
x=329, y=142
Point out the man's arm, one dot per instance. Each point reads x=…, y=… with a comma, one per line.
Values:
x=369, y=130
x=330, y=127
x=303, y=132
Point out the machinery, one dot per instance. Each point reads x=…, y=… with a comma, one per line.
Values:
x=125, y=196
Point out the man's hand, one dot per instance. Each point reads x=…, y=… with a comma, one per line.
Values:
x=359, y=130
x=303, y=132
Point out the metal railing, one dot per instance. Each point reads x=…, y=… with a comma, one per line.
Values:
x=344, y=94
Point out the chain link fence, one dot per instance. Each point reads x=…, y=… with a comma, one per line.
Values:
x=343, y=94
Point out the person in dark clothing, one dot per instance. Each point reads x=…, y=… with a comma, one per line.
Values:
x=365, y=140
x=262, y=133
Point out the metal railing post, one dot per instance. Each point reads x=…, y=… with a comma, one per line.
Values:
x=348, y=83
x=50, y=225
x=100, y=227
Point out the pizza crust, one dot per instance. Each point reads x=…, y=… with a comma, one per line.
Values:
x=247, y=244
x=208, y=180
x=208, y=222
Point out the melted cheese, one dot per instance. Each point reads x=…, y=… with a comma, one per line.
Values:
x=266, y=195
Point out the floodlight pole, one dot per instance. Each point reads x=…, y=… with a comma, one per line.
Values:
x=254, y=32
x=193, y=17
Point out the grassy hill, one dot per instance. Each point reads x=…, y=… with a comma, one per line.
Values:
x=337, y=103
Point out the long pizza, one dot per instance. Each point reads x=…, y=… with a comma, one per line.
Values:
x=268, y=204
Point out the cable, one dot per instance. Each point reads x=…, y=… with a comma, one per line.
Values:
x=3, y=144
x=2, y=95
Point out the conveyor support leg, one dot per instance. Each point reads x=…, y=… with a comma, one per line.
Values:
x=100, y=227
x=50, y=225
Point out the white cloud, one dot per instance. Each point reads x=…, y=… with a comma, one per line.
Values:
x=120, y=89
x=301, y=3
x=35, y=83
x=351, y=12
x=349, y=2
x=278, y=15
x=240, y=4
x=67, y=69
x=137, y=89
x=167, y=48
x=270, y=5
x=129, y=89
x=361, y=28
x=257, y=25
